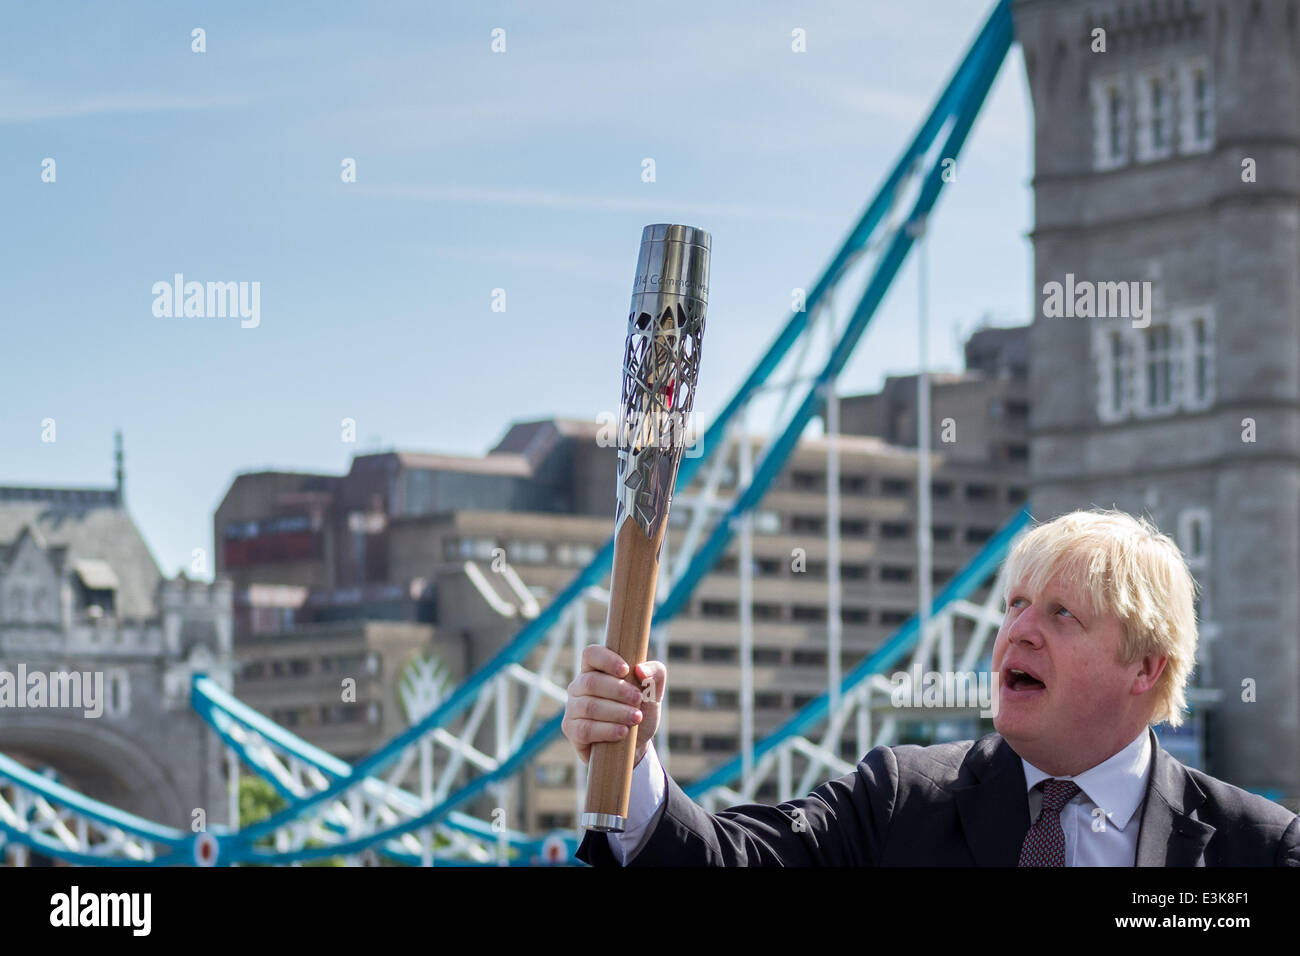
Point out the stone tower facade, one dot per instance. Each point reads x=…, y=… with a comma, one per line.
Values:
x=80, y=594
x=1165, y=355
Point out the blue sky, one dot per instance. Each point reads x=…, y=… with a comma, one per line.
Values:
x=475, y=170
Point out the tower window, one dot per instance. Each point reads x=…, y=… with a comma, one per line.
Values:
x=1155, y=116
x=1201, y=359
x=1196, y=107
x=1115, y=117
x=1110, y=123
x=1159, y=367
x=1194, y=542
x=1159, y=134
x=1194, y=536
x=1200, y=110
x=1117, y=372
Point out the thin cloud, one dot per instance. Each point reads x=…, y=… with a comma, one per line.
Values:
x=571, y=202
x=877, y=102
x=566, y=263
x=18, y=108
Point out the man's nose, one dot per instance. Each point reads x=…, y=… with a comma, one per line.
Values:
x=1027, y=628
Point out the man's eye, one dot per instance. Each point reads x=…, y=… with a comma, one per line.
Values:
x=1065, y=611
x=1016, y=602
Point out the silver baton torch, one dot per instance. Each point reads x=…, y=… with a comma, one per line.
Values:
x=661, y=362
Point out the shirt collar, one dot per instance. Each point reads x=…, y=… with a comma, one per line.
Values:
x=1117, y=784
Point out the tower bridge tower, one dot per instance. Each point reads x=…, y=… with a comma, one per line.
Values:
x=1167, y=154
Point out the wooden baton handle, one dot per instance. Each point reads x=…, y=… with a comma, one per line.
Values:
x=627, y=634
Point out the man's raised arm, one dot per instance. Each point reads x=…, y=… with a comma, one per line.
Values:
x=842, y=823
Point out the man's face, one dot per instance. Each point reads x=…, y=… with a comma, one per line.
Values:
x=1077, y=704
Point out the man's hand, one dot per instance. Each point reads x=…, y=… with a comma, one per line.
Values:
x=604, y=701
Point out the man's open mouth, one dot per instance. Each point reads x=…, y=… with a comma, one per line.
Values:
x=1018, y=679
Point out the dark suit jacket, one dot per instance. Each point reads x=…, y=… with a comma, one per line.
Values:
x=957, y=804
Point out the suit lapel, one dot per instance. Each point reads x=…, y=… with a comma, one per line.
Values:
x=1168, y=836
x=994, y=804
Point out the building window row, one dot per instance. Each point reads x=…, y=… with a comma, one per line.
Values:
x=764, y=700
x=893, y=530
x=272, y=620
x=292, y=667
x=815, y=482
x=975, y=493
x=329, y=714
x=554, y=774
x=1159, y=370
x=817, y=570
x=799, y=613
x=519, y=551
x=763, y=656
x=1153, y=114
x=348, y=665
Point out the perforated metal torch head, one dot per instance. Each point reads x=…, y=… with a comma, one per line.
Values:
x=661, y=364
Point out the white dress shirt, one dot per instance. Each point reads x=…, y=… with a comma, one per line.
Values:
x=645, y=803
x=1101, y=821
x=1116, y=786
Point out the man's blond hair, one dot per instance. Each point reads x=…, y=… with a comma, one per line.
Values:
x=1128, y=569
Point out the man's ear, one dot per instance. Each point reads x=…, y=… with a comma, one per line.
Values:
x=1152, y=667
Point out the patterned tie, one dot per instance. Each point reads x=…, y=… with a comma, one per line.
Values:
x=1045, y=841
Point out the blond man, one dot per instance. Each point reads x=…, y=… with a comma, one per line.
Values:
x=1095, y=648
